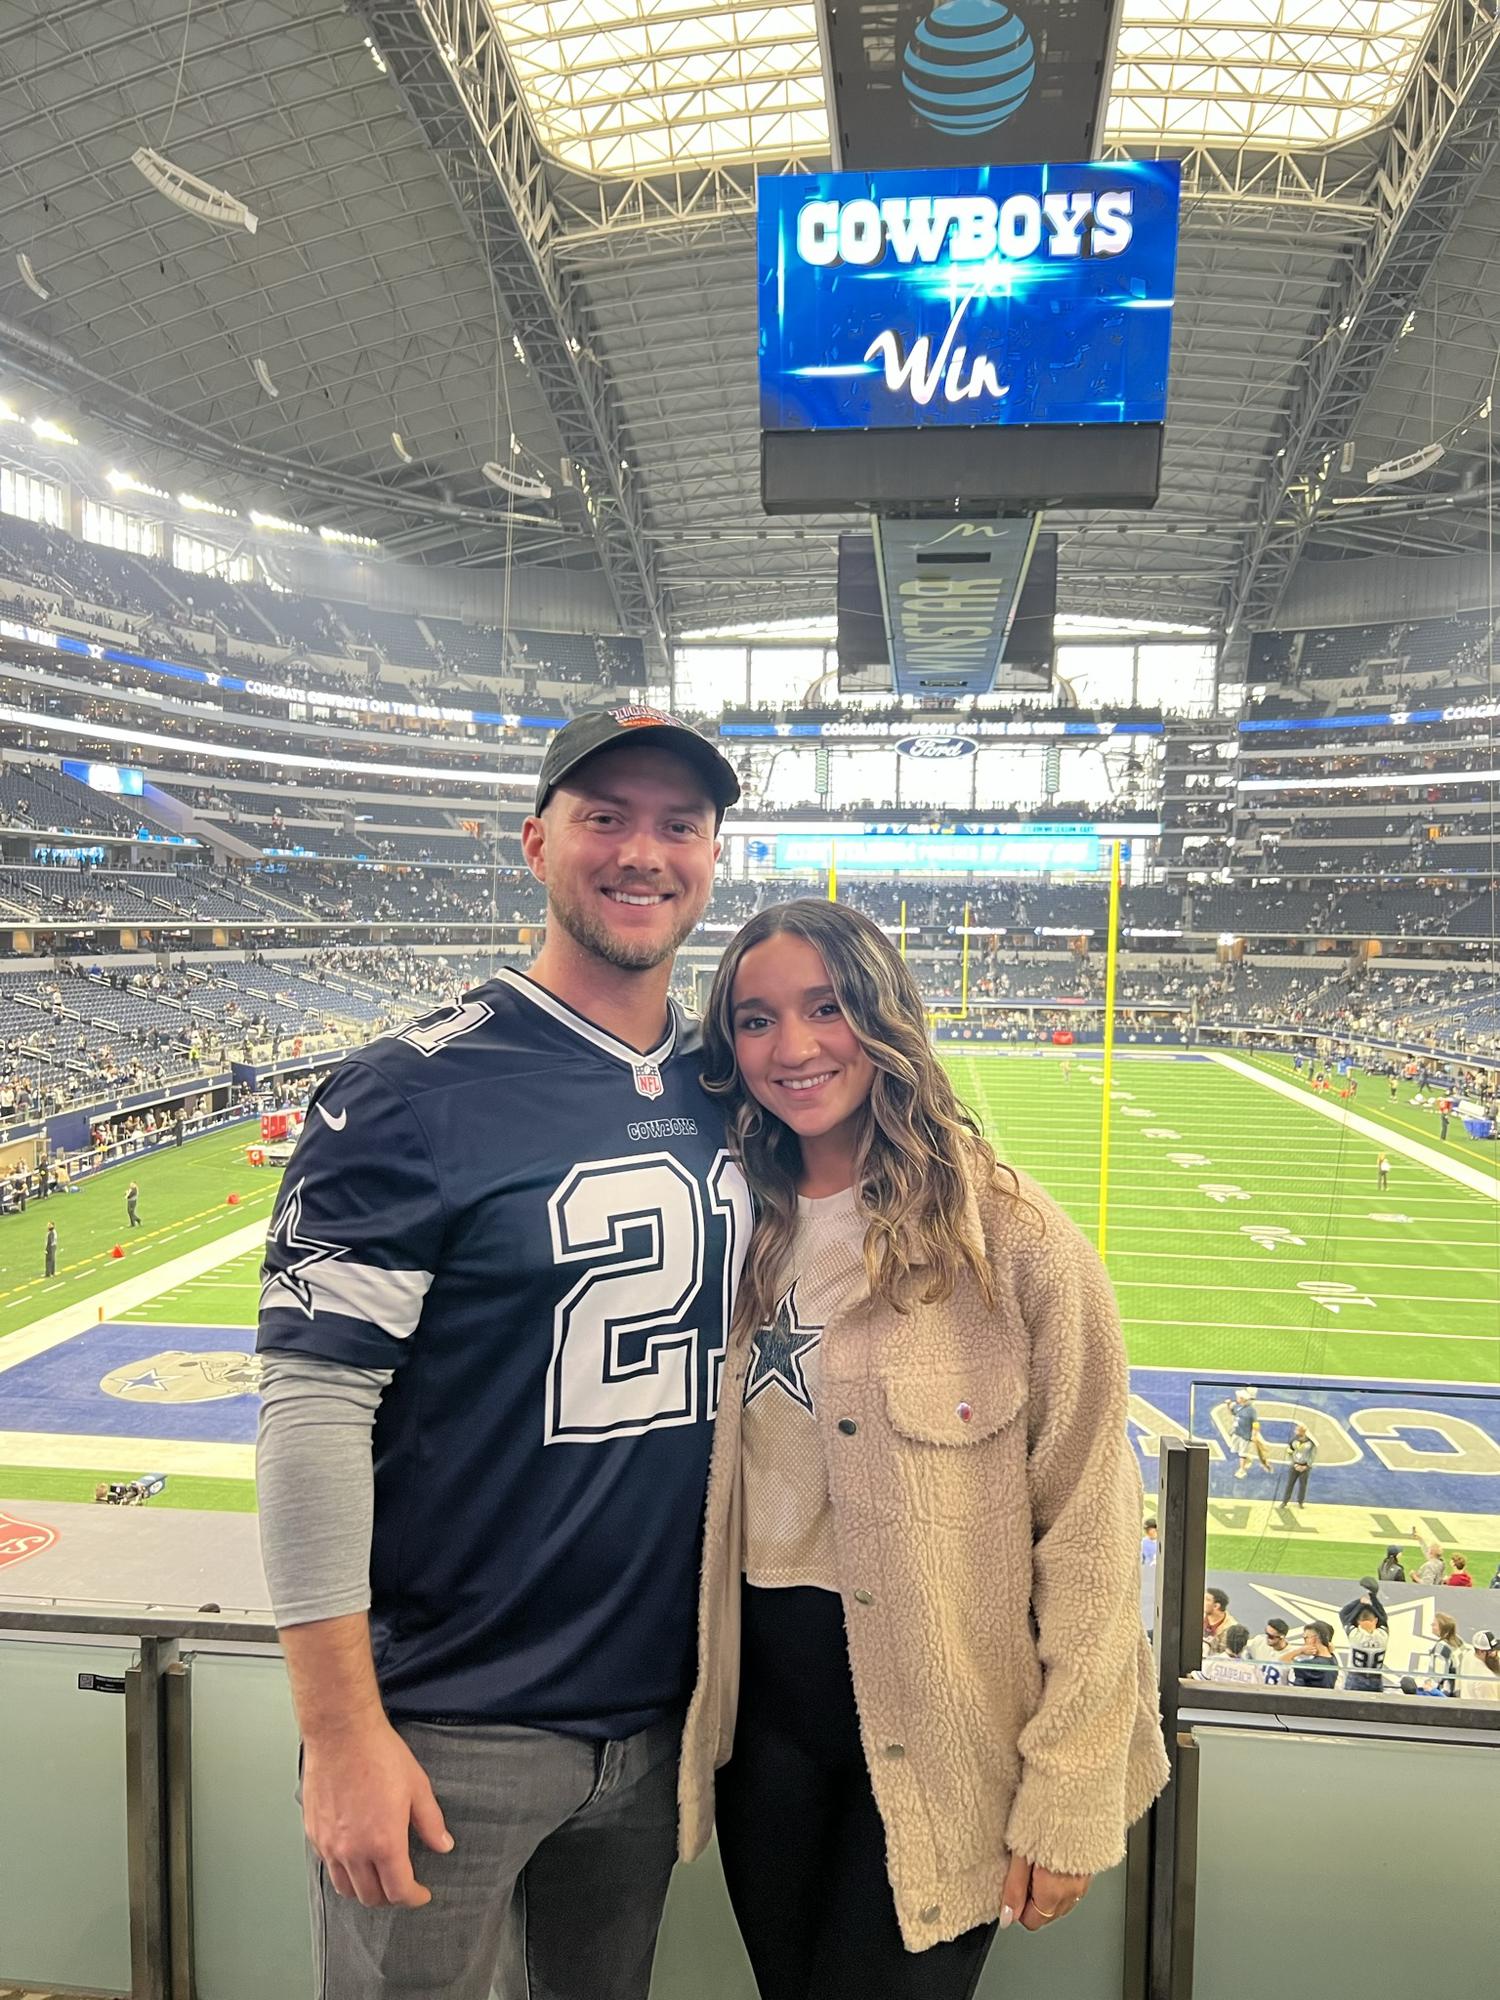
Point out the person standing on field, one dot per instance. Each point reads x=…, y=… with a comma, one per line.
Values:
x=49, y=1252
x=1301, y=1452
x=132, y=1204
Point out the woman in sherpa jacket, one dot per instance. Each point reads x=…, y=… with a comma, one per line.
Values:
x=923, y=1680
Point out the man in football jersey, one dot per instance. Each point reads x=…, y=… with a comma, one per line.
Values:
x=496, y=1295
x=1368, y=1637
x=1271, y=1653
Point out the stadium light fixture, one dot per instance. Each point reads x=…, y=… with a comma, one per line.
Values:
x=126, y=482
x=8, y=415
x=276, y=523
x=376, y=57
x=198, y=197
x=263, y=376
x=29, y=277
x=347, y=540
x=51, y=433
x=406, y=457
x=191, y=503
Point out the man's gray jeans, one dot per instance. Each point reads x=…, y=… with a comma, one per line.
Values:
x=554, y=1889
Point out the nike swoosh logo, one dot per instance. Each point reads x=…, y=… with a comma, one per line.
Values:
x=334, y=1124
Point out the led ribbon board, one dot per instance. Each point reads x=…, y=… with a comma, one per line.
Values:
x=1020, y=853
x=967, y=296
x=122, y=780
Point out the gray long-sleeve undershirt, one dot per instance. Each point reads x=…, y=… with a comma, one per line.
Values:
x=315, y=1474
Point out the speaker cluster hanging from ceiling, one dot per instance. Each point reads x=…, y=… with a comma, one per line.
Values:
x=197, y=196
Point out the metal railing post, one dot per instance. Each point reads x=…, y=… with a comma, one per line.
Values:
x=177, y=1689
x=146, y=1819
x=1182, y=1514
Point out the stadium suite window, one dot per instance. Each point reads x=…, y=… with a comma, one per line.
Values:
x=30, y=498
x=705, y=678
x=1180, y=676
x=114, y=528
x=200, y=558
x=784, y=676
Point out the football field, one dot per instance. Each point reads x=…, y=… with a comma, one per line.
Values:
x=1248, y=1239
x=1251, y=1245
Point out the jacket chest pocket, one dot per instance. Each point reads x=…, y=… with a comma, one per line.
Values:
x=955, y=1439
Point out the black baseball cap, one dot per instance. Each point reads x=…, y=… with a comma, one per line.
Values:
x=604, y=728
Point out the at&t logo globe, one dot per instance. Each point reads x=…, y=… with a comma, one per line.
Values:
x=969, y=66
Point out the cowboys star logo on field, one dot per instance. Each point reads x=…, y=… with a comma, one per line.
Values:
x=20, y=1539
x=179, y=1376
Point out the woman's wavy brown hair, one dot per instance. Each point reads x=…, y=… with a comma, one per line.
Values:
x=919, y=1149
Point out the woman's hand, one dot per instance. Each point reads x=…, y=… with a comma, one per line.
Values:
x=1036, y=1896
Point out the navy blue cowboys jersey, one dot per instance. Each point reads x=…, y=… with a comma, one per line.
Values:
x=538, y=1229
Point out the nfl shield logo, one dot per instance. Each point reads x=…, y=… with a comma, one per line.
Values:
x=20, y=1539
x=648, y=1079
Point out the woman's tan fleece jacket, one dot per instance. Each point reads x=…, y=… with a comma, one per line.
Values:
x=987, y=1522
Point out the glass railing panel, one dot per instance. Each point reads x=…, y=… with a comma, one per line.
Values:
x=252, y=1929
x=64, y=1888
x=1327, y=1843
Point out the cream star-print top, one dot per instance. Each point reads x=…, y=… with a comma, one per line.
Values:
x=788, y=1521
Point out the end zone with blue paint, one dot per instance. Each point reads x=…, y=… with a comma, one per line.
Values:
x=1408, y=1447
x=139, y=1380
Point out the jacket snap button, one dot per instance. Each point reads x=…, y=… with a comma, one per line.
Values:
x=848, y=1426
x=863, y=1597
x=931, y=1914
x=895, y=1749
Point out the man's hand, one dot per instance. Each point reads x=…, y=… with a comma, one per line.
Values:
x=362, y=1790
x=1036, y=1896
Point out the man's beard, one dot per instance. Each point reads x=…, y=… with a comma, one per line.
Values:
x=594, y=935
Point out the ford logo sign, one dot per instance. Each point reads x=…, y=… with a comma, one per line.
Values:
x=937, y=746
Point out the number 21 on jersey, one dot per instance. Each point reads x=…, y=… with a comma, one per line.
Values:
x=623, y=1360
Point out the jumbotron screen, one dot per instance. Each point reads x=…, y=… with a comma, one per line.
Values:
x=973, y=296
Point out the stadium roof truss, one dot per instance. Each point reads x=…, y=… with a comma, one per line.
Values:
x=537, y=215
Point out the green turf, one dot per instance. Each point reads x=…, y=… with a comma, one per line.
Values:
x=1373, y=1100
x=203, y=1496
x=184, y=1204
x=1197, y=1292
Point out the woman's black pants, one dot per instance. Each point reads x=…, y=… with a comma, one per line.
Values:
x=800, y=1835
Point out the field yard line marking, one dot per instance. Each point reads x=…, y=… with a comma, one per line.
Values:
x=1331, y=1522
x=1484, y=1221
x=1403, y=1298
x=1378, y=1240
x=75, y=1452
x=191, y=1327
x=1315, y=1253
x=1328, y=1328
x=1219, y=1377
x=151, y=1285
x=1271, y=1185
x=1414, y=1149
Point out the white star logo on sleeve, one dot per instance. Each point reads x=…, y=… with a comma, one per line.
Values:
x=305, y=1252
